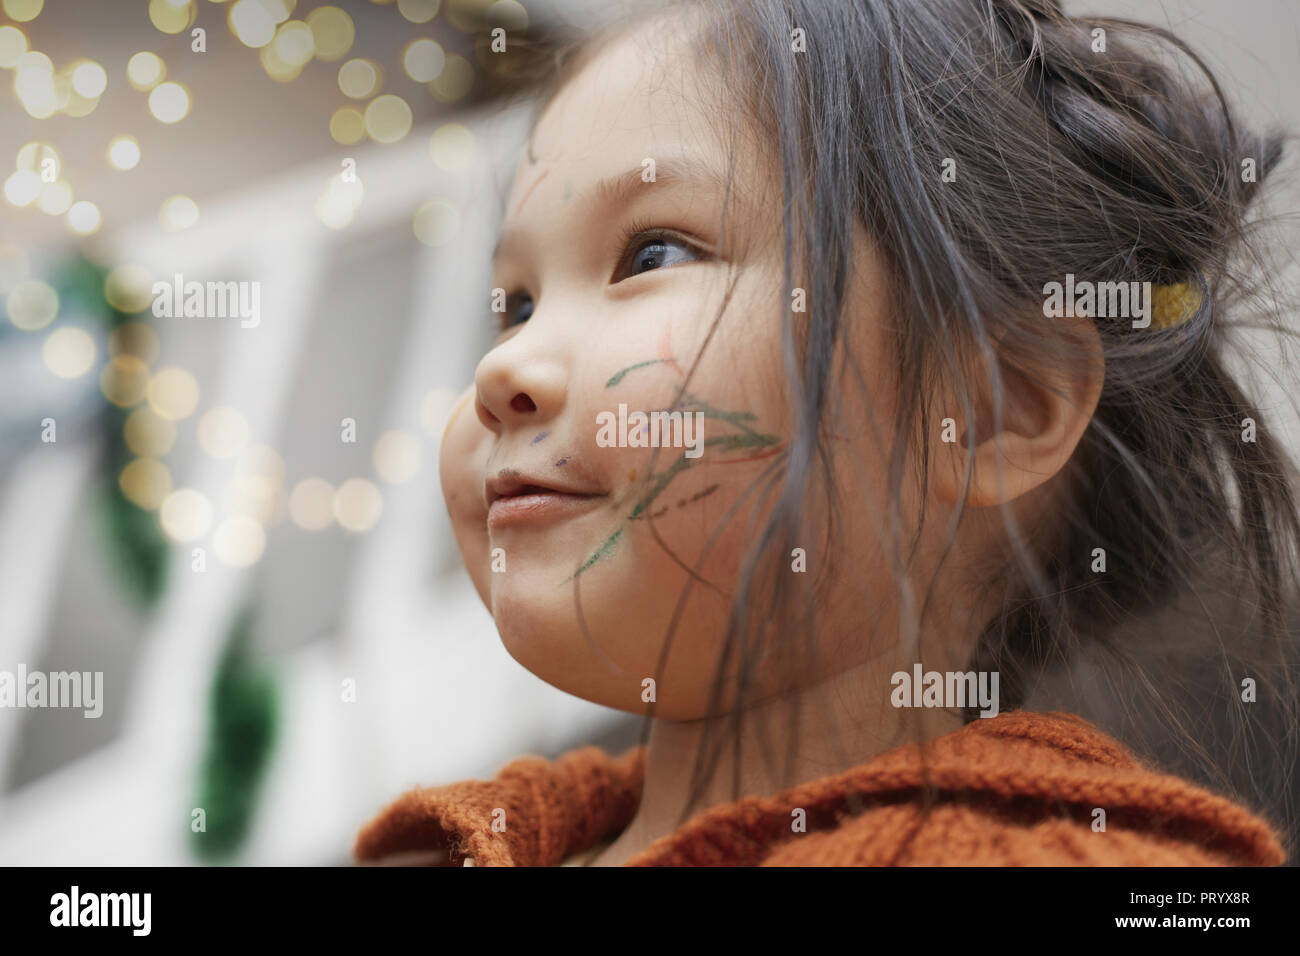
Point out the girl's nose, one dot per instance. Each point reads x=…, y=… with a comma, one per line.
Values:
x=515, y=387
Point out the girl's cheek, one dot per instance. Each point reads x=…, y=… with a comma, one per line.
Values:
x=462, y=459
x=457, y=410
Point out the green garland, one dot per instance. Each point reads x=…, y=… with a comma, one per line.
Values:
x=134, y=546
x=243, y=724
x=244, y=705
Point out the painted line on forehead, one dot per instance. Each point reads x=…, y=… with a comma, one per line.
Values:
x=519, y=208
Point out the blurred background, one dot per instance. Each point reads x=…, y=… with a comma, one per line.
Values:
x=239, y=524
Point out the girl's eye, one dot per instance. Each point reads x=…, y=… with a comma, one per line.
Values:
x=656, y=251
x=519, y=308
x=645, y=251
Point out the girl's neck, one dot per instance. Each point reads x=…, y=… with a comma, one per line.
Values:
x=836, y=732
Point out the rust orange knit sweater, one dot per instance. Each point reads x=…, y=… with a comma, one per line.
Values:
x=1016, y=789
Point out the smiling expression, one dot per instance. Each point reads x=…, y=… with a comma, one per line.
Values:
x=615, y=265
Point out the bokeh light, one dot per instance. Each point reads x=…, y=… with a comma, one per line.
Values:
x=452, y=147
x=35, y=60
x=55, y=198
x=251, y=23
x=261, y=460
x=124, y=380
x=311, y=504
x=171, y=17
x=38, y=157
x=146, y=482
x=388, y=118
x=173, y=393
x=239, y=541
x=22, y=10
x=332, y=31
x=169, y=102
x=347, y=126
x=468, y=16
x=276, y=67
x=257, y=496
x=436, y=222
x=257, y=489
x=419, y=11
x=147, y=433
x=78, y=105
x=359, y=78
x=185, y=515
x=223, y=432
x=129, y=288
x=396, y=456
x=83, y=217
x=454, y=81
x=68, y=352
x=89, y=79
x=294, y=43
x=435, y=410
x=510, y=14
x=423, y=60
x=34, y=85
x=358, y=504
x=123, y=152
x=144, y=71
x=32, y=305
x=137, y=339
x=22, y=187
x=339, y=203
x=13, y=44
x=178, y=212
x=279, y=10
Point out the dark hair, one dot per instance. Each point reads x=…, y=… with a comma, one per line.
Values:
x=1117, y=160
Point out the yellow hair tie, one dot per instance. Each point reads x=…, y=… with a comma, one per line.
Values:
x=1172, y=305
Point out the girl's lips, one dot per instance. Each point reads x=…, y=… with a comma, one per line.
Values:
x=537, y=508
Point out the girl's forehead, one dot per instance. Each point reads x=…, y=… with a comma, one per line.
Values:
x=638, y=90
x=636, y=117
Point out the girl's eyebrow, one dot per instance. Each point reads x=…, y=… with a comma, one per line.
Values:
x=688, y=170
x=620, y=189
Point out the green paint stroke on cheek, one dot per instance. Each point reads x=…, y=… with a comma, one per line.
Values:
x=720, y=442
x=661, y=484
x=618, y=376
x=745, y=438
x=604, y=550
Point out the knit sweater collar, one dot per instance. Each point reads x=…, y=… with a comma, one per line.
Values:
x=1005, y=788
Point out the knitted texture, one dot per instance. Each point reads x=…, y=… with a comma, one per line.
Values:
x=1019, y=789
x=535, y=813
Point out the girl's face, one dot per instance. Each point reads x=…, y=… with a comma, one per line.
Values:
x=580, y=536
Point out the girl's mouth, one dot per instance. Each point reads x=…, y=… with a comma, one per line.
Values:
x=536, y=507
x=514, y=500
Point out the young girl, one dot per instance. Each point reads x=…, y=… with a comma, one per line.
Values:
x=861, y=414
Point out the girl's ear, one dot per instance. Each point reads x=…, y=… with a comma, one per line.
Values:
x=1044, y=414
